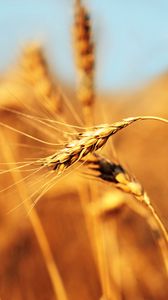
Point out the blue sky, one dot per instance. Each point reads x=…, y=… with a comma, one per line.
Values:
x=131, y=37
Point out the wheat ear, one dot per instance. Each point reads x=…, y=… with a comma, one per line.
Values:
x=115, y=173
x=85, y=60
x=36, y=72
x=87, y=142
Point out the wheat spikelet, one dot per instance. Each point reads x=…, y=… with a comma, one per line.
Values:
x=84, y=56
x=115, y=173
x=37, y=73
x=87, y=142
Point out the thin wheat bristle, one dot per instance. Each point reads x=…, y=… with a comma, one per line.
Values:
x=36, y=72
x=84, y=56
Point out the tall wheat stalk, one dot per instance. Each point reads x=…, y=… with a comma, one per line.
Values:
x=55, y=277
x=83, y=52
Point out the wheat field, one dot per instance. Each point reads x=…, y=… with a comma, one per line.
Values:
x=83, y=181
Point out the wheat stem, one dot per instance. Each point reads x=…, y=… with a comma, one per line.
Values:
x=58, y=286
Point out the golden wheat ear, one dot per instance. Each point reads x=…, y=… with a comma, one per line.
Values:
x=85, y=59
x=36, y=72
x=88, y=142
x=116, y=174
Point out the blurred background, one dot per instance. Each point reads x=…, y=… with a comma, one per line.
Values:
x=131, y=37
x=56, y=251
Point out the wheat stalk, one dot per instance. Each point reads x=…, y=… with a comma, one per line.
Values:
x=84, y=56
x=53, y=272
x=89, y=142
